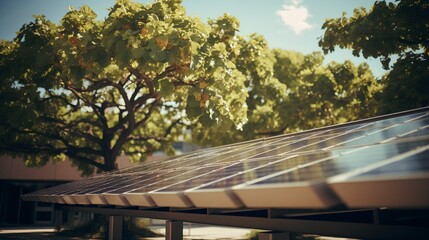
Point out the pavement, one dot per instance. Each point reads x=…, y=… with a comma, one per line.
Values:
x=190, y=232
x=36, y=233
x=199, y=231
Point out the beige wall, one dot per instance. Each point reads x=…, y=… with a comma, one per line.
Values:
x=15, y=169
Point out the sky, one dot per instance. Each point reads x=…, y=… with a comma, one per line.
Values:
x=287, y=24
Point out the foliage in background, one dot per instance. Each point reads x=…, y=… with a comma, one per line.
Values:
x=133, y=228
x=253, y=235
x=302, y=93
x=395, y=30
x=321, y=95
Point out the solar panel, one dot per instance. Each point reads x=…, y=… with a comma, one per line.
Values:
x=369, y=163
x=304, y=181
x=398, y=182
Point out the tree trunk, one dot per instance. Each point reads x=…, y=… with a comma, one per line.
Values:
x=110, y=162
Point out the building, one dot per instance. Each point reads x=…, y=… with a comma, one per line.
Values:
x=17, y=179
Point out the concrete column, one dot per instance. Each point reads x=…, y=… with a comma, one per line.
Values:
x=58, y=219
x=174, y=230
x=274, y=236
x=115, y=227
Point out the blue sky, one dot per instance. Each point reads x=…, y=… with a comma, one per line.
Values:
x=287, y=24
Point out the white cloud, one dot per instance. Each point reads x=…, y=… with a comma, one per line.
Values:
x=295, y=16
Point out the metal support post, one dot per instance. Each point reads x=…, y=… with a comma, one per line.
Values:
x=115, y=227
x=58, y=219
x=174, y=230
x=274, y=236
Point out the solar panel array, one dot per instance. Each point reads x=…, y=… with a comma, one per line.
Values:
x=381, y=162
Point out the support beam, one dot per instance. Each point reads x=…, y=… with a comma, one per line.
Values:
x=323, y=227
x=58, y=219
x=115, y=227
x=174, y=230
x=274, y=236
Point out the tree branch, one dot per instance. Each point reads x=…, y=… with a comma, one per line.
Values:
x=71, y=126
x=272, y=132
x=123, y=137
x=65, y=100
x=50, y=150
x=149, y=113
x=167, y=71
x=97, y=85
x=74, y=155
x=413, y=42
x=159, y=139
x=145, y=78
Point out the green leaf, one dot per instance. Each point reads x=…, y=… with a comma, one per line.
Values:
x=76, y=73
x=99, y=55
x=166, y=87
x=122, y=52
x=158, y=55
x=207, y=121
x=138, y=53
x=193, y=109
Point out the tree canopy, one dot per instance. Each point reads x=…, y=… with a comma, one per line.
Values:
x=303, y=94
x=130, y=84
x=396, y=30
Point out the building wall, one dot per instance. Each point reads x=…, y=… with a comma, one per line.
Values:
x=17, y=179
x=15, y=169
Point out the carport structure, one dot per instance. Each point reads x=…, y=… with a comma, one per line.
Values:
x=365, y=179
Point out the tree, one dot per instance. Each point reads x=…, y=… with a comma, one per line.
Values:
x=389, y=30
x=131, y=84
x=302, y=93
x=321, y=95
